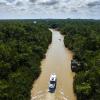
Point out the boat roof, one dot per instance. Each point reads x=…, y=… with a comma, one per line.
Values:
x=74, y=62
x=53, y=77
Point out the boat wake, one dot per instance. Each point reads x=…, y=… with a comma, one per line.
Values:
x=45, y=95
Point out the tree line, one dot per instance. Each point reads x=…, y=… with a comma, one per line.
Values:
x=83, y=38
x=23, y=45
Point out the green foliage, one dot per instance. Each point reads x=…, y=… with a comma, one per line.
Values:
x=22, y=47
x=83, y=38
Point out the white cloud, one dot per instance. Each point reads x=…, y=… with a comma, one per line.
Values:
x=49, y=8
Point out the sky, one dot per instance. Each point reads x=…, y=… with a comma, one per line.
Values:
x=55, y=9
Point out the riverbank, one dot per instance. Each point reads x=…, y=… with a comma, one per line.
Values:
x=22, y=47
x=83, y=38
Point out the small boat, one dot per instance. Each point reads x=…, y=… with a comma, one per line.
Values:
x=52, y=82
x=74, y=65
x=59, y=39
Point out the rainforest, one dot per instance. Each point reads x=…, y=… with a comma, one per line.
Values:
x=24, y=43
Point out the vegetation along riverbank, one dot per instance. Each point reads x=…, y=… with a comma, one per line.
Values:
x=82, y=36
x=23, y=45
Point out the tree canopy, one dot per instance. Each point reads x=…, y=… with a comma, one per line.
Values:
x=23, y=45
x=83, y=38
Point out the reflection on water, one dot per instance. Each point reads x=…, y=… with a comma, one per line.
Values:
x=57, y=60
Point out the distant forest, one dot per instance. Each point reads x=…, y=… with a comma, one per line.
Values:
x=23, y=45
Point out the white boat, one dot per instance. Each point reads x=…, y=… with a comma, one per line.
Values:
x=52, y=82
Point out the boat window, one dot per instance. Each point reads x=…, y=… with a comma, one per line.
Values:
x=52, y=82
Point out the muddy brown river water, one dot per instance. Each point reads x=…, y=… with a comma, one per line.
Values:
x=58, y=60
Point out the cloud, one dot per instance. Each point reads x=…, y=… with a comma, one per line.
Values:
x=52, y=8
x=2, y=4
x=19, y=3
x=33, y=1
x=10, y=1
x=93, y=4
x=49, y=3
x=22, y=9
x=67, y=1
x=74, y=10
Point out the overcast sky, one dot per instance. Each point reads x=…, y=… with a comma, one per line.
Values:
x=32, y=9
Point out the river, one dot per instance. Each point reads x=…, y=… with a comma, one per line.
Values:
x=58, y=60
